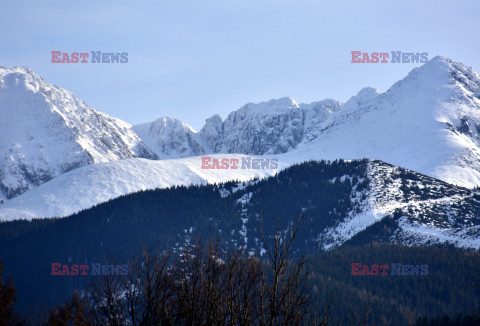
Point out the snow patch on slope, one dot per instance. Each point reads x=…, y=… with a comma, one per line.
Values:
x=84, y=187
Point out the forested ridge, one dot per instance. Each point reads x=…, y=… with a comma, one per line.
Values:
x=233, y=214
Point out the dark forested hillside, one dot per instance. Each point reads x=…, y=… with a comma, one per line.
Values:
x=450, y=287
x=331, y=196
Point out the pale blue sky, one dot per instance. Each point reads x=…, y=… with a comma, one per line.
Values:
x=192, y=59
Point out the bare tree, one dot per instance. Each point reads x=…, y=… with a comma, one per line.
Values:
x=108, y=296
x=205, y=285
x=73, y=312
x=283, y=293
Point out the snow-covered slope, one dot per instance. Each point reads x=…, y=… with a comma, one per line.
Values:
x=428, y=122
x=171, y=138
x=425, y=211
x=87, y=186
x=46, y=131
x=374, y=201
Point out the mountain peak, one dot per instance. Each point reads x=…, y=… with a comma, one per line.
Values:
x=47, y=131
x=438, y=77
x=19, y=69
x=438, y=62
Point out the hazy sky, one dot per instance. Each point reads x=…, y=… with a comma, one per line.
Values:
x=192, y=59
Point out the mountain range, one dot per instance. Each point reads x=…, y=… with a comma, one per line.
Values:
x=59, y=156
x=396, y=174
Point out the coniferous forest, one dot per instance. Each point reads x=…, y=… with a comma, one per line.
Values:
x=242, y=220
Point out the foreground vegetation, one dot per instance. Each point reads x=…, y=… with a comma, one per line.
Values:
x=206, y=284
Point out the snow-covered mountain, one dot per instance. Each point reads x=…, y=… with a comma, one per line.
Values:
x=428, y=122
x=272, y=127
x=46, y=131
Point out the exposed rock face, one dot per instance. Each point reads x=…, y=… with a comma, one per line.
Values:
x=46, y=131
